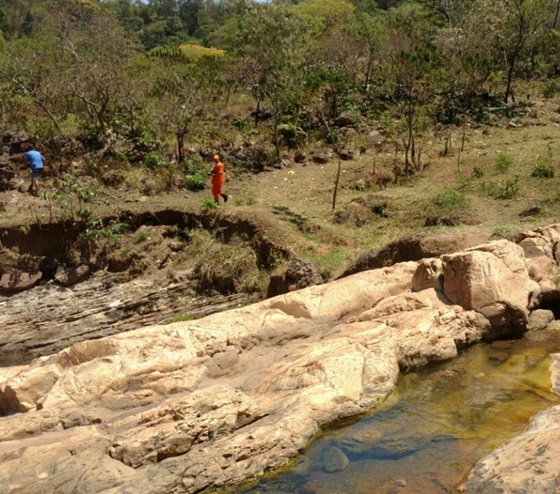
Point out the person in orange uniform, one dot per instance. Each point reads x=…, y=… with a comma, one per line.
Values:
x=218, y=177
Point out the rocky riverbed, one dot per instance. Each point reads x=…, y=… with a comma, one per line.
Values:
x=211, y=402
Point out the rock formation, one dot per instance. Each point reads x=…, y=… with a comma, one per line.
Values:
x=212, y=402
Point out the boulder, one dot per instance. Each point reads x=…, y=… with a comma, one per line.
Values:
x=526, y=464
x=299, y=274
x=70, y=275
x=19, y=281
x=541, y=248
x=493, y=280
x=540, y=319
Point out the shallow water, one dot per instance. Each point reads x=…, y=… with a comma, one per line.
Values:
x=429, y=433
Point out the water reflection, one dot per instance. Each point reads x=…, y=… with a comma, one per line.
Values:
x=428, y=434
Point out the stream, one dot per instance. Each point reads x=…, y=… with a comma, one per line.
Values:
x=428, y=434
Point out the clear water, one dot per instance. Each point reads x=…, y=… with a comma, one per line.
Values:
x=429, y=433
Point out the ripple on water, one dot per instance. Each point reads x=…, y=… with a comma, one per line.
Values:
x=430, y=432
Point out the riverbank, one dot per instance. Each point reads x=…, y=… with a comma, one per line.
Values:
x=212, y=402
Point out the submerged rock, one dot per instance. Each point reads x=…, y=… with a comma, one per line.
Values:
x=334, y=460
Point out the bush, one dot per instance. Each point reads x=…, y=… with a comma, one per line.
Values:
x=155, y=159
x=477, y=172
x=449, y=200
x=197, y=173
x=549, y=88
x=503, y=190
x=543, y=169
x=503, y=164
x=195, y=182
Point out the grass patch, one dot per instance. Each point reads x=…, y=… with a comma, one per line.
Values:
x=504, y=163
x=506, y=189
x=209, y=204
x=543, y=169
x=330, y=262
x=447, y=209
x=181, y=318
x=140, y=237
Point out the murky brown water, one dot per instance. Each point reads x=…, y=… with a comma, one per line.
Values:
x=427, y=435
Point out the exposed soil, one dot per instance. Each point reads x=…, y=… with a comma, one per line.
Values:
x=58, y=287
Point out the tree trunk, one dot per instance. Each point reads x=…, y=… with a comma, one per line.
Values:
x=336, y=181
x=180, y=147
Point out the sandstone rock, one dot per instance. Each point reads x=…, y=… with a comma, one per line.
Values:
x=24, y=391
x=540, y=319
x=211, y=402
x=541, y=250
x=429, y=274
x=527, y=463
x=492, y=279
x=415, y=248
x=69, y=276
x=19, y=281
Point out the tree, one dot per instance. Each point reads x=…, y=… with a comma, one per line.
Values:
x=183, y=89
x=412, y=71
x=369, y=30
x=96, y=54
x=521, y=21
x=271, y=50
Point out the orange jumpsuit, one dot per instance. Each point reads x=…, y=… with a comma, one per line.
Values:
x=217, y=180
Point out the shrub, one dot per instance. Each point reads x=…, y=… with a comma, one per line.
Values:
x=155, y=159
x=449, y=200
x=239, y=123
x=196, y=173
x=195, y=182
x=503, y=163
x=509, y=189
x=543, y=169
x=477, y=172
x=549, y=88
x=209, y=204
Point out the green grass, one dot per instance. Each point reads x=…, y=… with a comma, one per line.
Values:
x=331, y=262
x=181, y=318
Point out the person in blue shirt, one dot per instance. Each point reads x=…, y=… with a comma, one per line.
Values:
x=36, y=164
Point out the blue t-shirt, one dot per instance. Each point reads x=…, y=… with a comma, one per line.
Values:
x=34, y=159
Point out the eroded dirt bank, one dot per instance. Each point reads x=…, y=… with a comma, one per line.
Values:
x=64, y=282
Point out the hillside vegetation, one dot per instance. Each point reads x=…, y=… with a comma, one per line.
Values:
x=343, y=125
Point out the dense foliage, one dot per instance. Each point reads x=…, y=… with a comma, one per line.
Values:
x=165, y=76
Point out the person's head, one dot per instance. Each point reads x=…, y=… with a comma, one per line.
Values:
x=216, y=157
x=27, y=146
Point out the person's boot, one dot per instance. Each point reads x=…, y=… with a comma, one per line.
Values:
x=226, y=197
